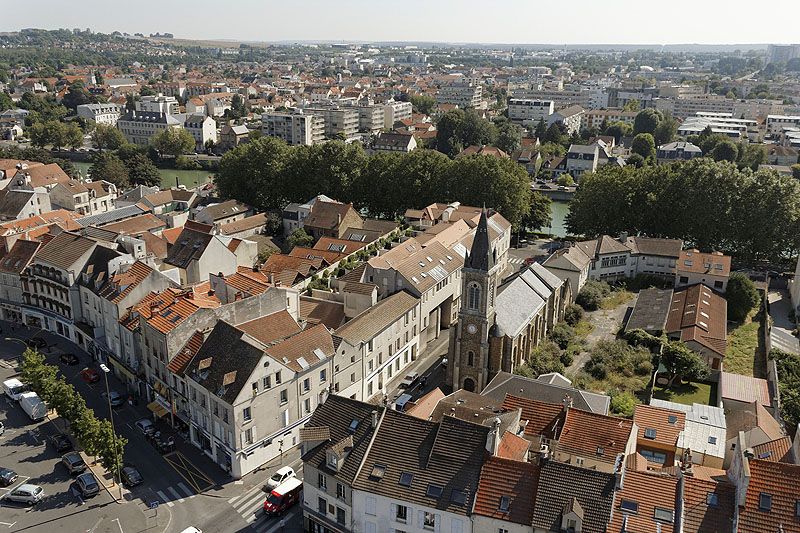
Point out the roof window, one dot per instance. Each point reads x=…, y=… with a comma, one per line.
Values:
x=712, y=499
x=764, y=501
x=629, y=506
x=434, y=491
x=665, y=515
x=458, y=497
x=406, y=478
x=377, y=472
x=650, y=433
x=505, y=502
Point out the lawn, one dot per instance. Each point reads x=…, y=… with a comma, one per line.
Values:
x=616, y=298
x=687, y=393
x=740, y=357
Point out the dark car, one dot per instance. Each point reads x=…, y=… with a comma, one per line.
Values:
x=164, y=443
x=36, y=342
x=69, y=359
x=7, y=477
x=61, y=442
x=130, y=476
x=90, y=375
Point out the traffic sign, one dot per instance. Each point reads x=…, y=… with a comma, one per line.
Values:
x=154, y=504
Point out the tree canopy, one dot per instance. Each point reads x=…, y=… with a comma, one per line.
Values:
x=742, y=296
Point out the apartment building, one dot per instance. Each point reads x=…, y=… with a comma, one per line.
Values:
x=139, y=127
x=463, y=94
x=105, y=114
x=158, y=104
x=594, y=118
x=340, y=122
x=12, y=267
x=570, y=117
x=528, y=112
x=370, y=118
x=296, y=128
x=777, y=124
x=203, y=129
x=394, y=112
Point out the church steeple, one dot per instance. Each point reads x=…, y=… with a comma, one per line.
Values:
x=481, y=257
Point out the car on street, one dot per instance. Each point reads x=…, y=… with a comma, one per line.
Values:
x=409, y=380
x=130, y=476
x=27, y=493
x=36, y=342
x=73, y=462
x=2, y=428
x=164, y=443
x=87, y=484
x=529, y=260
x=69, y=359
x=90, y=375
x=444, y=362
x=146, y=426
x=60, y=442
x=115, y=398
x=7, y=476
x=280, y=476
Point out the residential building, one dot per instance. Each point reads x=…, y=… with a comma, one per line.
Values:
x=203, y=129
x=464, y=94
x=22, y=203
x=166, y=105
x=677, y=151
x=296, y=128
x=703, y=435
x=394, y=142
x=777, y=124
x=105, y=114
x=570, y=264
x=698, y=317
x=711, y=269
x=40, y=178
x=528, y=113
x=139, y=127
x=197, y=254
x=331, y=219
x=658, y=430
x=223, y=213
x=394, y=112
x=232, y=136
x=570, y=117
x=782, y=53
x=12, y=267
x=340, y=122
x=594, y=118
x=627, y=257
x=371, y=118
x=294, y=215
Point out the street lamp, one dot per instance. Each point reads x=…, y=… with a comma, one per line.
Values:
x=106, y=370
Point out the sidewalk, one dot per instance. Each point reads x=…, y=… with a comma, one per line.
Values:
x=781, y=335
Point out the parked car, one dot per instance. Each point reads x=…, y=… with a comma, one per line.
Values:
x=146, y=426
x=163, y=443
x=73, y=463
x=27, y=493
x=69, y=359
x=115, y=398
x=36, y=342
x=90, y=375
x=529, y=260
x=60, y=442
x=7, y=476
x=88, y=485
x=280, y=476
x=130, y=476
x=409, y=380
x=191, y=529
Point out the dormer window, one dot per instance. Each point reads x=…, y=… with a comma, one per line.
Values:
x=650, y=433
x=333, y=462
x=505, y=503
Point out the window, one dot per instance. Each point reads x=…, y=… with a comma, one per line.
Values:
x=600, y=450
x=429, y=520
x=797, y=508
x=401, y=514
x=434, y=491
x=246, y=414
x=370, y=345
x=353, y=425
x=470, y=358
x=377, y=472
x=322, y=481
x=654, y=457
x=665, y=515
x=307, y=405
x=353, y=377
x=248, y=436
x=340, y=515
x=458, y=497
x=323, y=375
x=369, y=505
x=340, y=491
x=712, y=440
x=672, y=419
x=267, y=382
x=406, y=478
x=502, y=530
x=765, y=501
x=277, y=378
x=322, y=506
x=650, y=433
x=284, y=396
x=473, y=296
x=629, y=506
x=285, y=417
x=505, y=502
x=712, y=500
x=255, y=388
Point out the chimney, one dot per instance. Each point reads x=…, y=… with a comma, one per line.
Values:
x=567, y=401
x=338, y=219
x=271, y=278
x=623, y=236
x=154, y=308
x=375, y=418
x=493, y=438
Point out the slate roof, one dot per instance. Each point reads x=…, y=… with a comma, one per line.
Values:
x=225, y=209
x=337, y=413
x=228, y=353
x=518, y=301
x=559, y=483
x=448, y=455
x=654, y=246
x=504, y=383
x=64, y=250
x=481, y=256
x=12, y=202
x=138, y=225
x=746, y=389
x=377, y=318
x=114, y=215
x=19, y=257
x=189, y=247
x=514, y=480
x=650, y=311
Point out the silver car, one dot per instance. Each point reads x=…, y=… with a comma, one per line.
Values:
x=27, y=494
x=87, y=484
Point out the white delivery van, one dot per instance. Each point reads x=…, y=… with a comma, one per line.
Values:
x=13, y=388
x=33, y=405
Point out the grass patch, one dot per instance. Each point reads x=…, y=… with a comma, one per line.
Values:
x=583, y=328
x=740, y=356
x=687, y=393
x=616, y=298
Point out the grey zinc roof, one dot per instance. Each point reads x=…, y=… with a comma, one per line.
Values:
x=377, y=318
x=189, y=246
x=651, y=310
x=111, y=216
x=550, y=279
x=64, y=250
x=504, y=383
x=12, y=202
x=518, y=301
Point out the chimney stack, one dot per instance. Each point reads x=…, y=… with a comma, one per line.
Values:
x=567, y=401
x=374, y=418
x=493, y=438
x=623, y=237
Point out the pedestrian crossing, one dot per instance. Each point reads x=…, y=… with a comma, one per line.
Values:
x=515, y=260
x=175, y=496
x=250, y=506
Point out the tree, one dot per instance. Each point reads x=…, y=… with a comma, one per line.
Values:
x=541, y=129
x=88, y=432
x=725, y=151
x=111, y=447
x=742, y=296
x=635, y=160
x=5, y=101
x=623, y=403
x=565, y=180
x=562, y=334
x=108, y=166
x=540, y=214
x=618, y=130
x=554, y=133
x=37, y=375
x=573, y=314
x=666, y=129
x=796, y=171
x=646, y=121
x=592, y=295
x=142, y=171
x=254, y=173
x=107, y=137
x=77, y=95
x=422, y=103
x=300, y=238
x=632, y=105
x=682, y=362
x=509, y=137
x=644, y=145
x=173, y=142
x=147, y=91
x=73, y=136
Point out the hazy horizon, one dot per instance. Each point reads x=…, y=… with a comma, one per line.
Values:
x=507, y=22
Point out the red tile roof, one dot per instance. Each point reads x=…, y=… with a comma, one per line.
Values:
x=699, y=314
x=586, y=433
x=649, y=491
x=779, y=450
x=189, y=350
x=703, y=513
x=780, y=481
x=270, y=328
x=514, y=480
x=658, y=419
x=513, y=447
x=542, y=418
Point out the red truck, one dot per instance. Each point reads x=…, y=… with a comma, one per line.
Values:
x=283, y=497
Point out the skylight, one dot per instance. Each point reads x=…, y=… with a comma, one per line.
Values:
x=665, y=515
x=764, y=455
x=458, y=497
x=712, y=440
x=406, y=478
x=712, y=499
x=353, y=425
x=377, y=471
x=672, y=419
x=434, y=491
x=629, y=506
x=765, y=501
x=650, y=433
x=505, y=501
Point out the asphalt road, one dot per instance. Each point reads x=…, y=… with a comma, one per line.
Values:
x=187, y=487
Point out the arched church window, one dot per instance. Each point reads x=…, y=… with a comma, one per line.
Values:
x=474, y=296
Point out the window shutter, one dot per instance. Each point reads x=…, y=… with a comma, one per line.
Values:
x=242, y=437
x=393, y=516
x=255, y=437
x=438, y=523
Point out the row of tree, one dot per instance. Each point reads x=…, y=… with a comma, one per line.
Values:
x=96, y=436
x=709, y=204
x=268, y=174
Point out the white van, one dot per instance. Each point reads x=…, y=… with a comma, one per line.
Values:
x=33, y=406
x=13, y=388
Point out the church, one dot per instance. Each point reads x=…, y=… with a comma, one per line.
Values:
x=501, y=318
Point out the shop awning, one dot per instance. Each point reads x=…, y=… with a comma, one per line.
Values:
x=157, y=409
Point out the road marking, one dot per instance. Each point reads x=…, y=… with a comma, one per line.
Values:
x=164, y=498
x=242, y=507
x=119, y=524
x=94, y=526
x=7, y=524
x=189, y=472
x=270, y=525
x=185, y=489
x=175, y=494
x=244, y=496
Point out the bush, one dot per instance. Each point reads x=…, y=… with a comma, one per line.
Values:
x=573, y=314
x=567, y=359
x=545, y=358
x=639, y=337
x=742, y=296
x=592, y=294
x=623, y=403
x=618, y=357
x=562, y=335
x=184, y=163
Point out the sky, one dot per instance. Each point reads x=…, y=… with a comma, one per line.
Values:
x=457, y=21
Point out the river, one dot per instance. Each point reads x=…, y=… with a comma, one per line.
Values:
x=190, y=178
x=559, y=212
